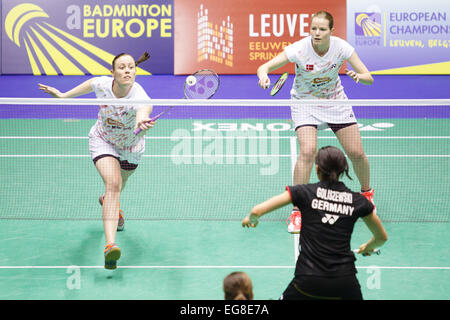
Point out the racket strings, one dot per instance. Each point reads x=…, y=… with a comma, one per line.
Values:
x=206, y=85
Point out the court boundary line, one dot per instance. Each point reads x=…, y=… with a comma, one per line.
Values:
x=217, y=267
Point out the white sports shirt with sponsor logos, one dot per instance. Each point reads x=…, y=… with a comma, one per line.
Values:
x=318, y=77
x=115, y=124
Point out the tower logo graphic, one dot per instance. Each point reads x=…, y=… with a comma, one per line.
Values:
x=214, y=41
x=53, y=51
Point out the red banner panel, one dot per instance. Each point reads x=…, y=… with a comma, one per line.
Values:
x=235, y=36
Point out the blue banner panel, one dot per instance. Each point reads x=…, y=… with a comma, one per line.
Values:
x=81, y=37
x=402, y=36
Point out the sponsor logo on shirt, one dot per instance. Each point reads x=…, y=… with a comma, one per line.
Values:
x=321, y=80
x=318, y=82
x=309, y=67
x=330, y=218
x=114, y=123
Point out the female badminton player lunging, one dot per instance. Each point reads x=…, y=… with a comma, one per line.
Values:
x=115, y=149
x=326, y=265
x=318, y=59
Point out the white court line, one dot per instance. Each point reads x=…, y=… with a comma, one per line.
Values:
x=216, y=267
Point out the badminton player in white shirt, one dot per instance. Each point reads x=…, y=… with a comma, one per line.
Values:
x=115, y=149
x=318, y=59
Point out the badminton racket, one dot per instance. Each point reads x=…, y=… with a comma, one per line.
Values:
x=376, y=251
x=279, y=84
x=202, y=84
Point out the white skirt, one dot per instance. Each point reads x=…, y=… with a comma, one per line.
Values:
x=320, y=116
x=98, y=147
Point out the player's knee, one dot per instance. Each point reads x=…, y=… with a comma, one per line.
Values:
x=356, y=155
x=113, y=185
x=307, y=155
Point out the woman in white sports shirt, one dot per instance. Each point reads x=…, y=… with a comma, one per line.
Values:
x=114, y=148
x=318, y=59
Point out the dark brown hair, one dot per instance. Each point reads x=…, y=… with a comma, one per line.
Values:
x=332, y=163
x=327, y=16
x=238, y=286
x=145, y=56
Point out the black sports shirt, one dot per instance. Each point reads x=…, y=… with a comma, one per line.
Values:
x=329, y=211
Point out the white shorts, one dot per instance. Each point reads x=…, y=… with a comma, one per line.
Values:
x=99, y=147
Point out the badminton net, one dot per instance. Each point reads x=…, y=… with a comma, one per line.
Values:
x=215, y=159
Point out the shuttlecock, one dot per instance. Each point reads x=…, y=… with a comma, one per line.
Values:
x=191, y=81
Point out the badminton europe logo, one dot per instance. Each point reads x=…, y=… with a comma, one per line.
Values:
x=215, y=41
x=368, y=28
x=368, y=24
x=51, y=50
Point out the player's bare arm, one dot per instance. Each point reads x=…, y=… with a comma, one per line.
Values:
x=82, y=89
x=142, y=118
x=360, y=73
x=273, y=64
x=267, y=206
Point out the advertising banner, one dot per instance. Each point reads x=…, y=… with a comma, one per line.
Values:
x=235, y=37
x=398, y=37
x=80, y=37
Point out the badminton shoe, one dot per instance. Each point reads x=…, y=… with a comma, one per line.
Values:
x=295, y=222
x=369, y=196
x=121, y=224
x=112, y=254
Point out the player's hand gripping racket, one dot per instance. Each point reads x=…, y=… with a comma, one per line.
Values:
x=203, y=84
x=376, y=251
x=278, y=84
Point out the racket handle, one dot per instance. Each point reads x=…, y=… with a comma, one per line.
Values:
x=138, y=130
x=376, y=251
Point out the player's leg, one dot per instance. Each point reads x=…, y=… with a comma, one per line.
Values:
x=307, y=141
x=126, y=172
x=109, y=169
x=350, y=139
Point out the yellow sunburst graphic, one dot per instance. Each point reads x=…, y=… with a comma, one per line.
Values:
x=52, y=51
x=370, y=28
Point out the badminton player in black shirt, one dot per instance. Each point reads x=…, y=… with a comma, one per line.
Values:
x=326, y=265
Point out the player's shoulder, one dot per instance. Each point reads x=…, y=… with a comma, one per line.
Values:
x=137, y=85
x=337, y=39
x=308, y=187
x=302, y=43
x=102, y=80
x=339, y=42
x=138, y=92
